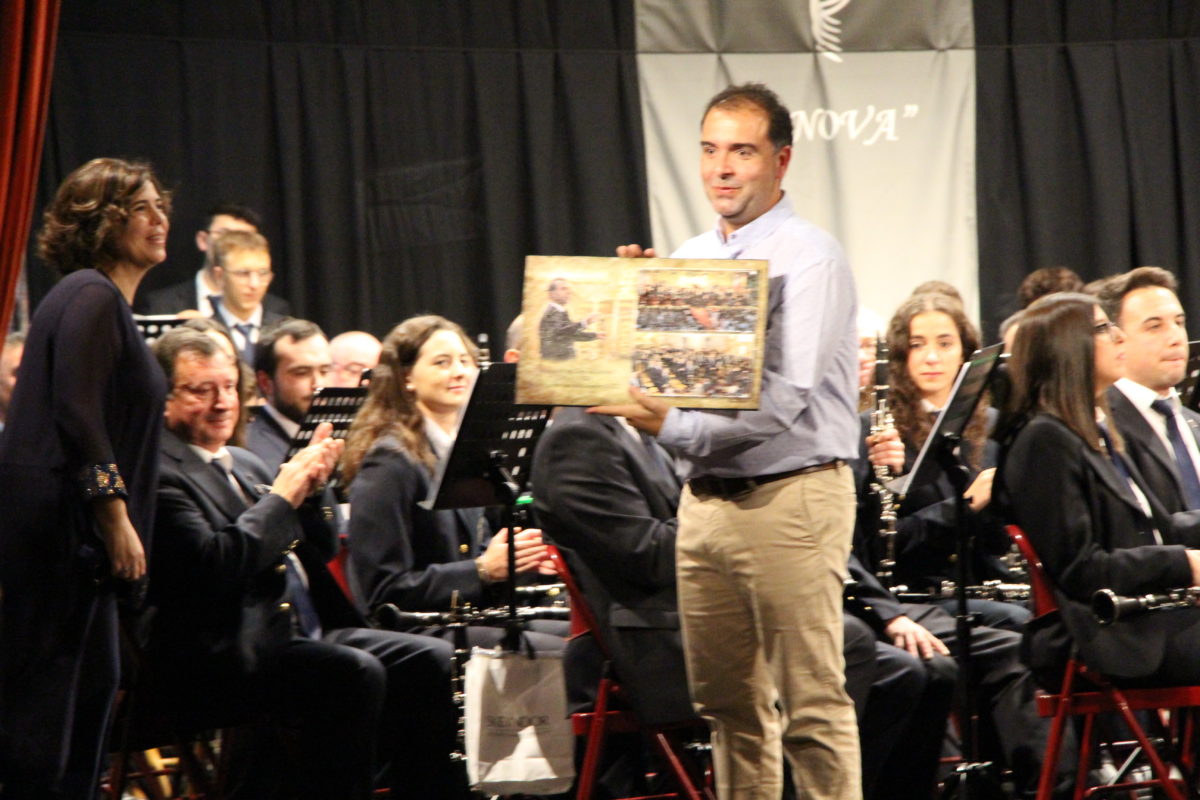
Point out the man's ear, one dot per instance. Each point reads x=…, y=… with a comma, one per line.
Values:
x=202, y=240
x=266, y=386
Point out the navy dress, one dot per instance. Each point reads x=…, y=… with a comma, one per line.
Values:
x=84, y=422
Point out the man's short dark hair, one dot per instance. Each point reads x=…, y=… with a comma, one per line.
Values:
x=265, y=359
x=235, y=210
x=1112, y=291
x=168, y=347
x=779, y=129
x=1047, y=280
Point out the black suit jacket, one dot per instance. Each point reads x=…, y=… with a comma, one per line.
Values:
x=267, y=440
x=404, y=554
x=927, y=525
x=601, y=498
x=180, y=296
x=1085, y=523
x=1147, y=451
x=557, y=334
x=218, y=582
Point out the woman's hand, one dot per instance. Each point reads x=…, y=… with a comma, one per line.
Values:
x=531, y=554
x=979, y=493
x=886, y=450
x=125, y=552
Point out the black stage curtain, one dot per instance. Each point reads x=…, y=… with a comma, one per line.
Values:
x=1088, y=142
x=406, y=156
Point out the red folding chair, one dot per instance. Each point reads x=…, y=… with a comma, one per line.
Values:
x=1086, y=693
x=611, y=714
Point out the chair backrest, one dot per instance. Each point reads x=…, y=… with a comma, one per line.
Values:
x=583, y=619
x=1043, y=595
x=337, y=568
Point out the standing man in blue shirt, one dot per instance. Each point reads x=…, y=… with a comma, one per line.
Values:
x=766, y=519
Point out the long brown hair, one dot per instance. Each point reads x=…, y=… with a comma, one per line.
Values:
x=390, y=408
x=905, y=398
x=1053, y=364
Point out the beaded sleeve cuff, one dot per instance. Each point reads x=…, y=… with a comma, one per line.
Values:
x=101, y=480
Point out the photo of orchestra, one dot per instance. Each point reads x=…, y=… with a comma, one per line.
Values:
x=696, y=366
x=596, y=326
x=679, y=302
x=521, y=463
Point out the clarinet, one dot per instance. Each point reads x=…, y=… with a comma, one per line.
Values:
x=881, y=421
x=988, y=590
x=1109, y=607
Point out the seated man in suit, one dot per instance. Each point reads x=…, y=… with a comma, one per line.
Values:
x=193, y=295
x=242, y=270
x=606, y=495
x=292, y=362
x=248, y=618
x=1160, y=435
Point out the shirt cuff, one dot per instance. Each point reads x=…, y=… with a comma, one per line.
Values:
x=678, y=429
x=101, y=480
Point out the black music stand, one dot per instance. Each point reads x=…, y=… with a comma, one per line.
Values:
x=152, y=326
x=337, y=406
x=939, y=451
x=489, y=463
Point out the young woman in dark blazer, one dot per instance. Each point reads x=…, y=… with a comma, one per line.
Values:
x=928, y=338
x=1085, y=508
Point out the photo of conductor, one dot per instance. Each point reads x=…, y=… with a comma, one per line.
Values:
x=557, y=334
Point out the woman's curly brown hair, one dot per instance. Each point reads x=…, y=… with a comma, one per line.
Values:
x=84, y=222
x=904, y=397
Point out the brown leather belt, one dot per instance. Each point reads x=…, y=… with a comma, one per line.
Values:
x=732, y=487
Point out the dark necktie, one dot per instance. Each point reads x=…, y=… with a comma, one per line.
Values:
x=660, y=458
x=246, y=329
x=1188, y=479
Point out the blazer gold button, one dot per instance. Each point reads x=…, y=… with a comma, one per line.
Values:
x=285, y=606
x=280, y=569
x=462, y=548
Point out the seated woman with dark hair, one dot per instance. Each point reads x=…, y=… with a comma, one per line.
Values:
x=928, y=338
x=1083, y=505
x=402, y=553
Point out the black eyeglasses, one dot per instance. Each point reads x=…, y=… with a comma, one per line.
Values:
x=1108, y=328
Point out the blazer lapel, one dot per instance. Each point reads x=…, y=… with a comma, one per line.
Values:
x=1108, y=474
x=206, y=478
x=1134, y=426
x=660, y=475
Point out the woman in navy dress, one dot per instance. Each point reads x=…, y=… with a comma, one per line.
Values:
x=78, y=472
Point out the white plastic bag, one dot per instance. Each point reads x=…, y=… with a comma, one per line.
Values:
x=519, y=739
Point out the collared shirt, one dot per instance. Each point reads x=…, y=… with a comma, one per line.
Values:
x=203, y=304
x=440, y=442
x=808, y=411
x=225, y=458
x=231, y=321
x=289, y=427
x=1141, y=397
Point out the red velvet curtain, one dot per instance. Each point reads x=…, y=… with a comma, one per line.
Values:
x=27, y=33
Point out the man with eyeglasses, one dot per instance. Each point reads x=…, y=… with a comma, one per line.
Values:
x=1160, y=434
x=192, y=296
x=242, y=269
x=248, y=618
x=353, y=352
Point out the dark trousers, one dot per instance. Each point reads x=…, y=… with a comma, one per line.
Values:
x=419, y=720
x=61, y=667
